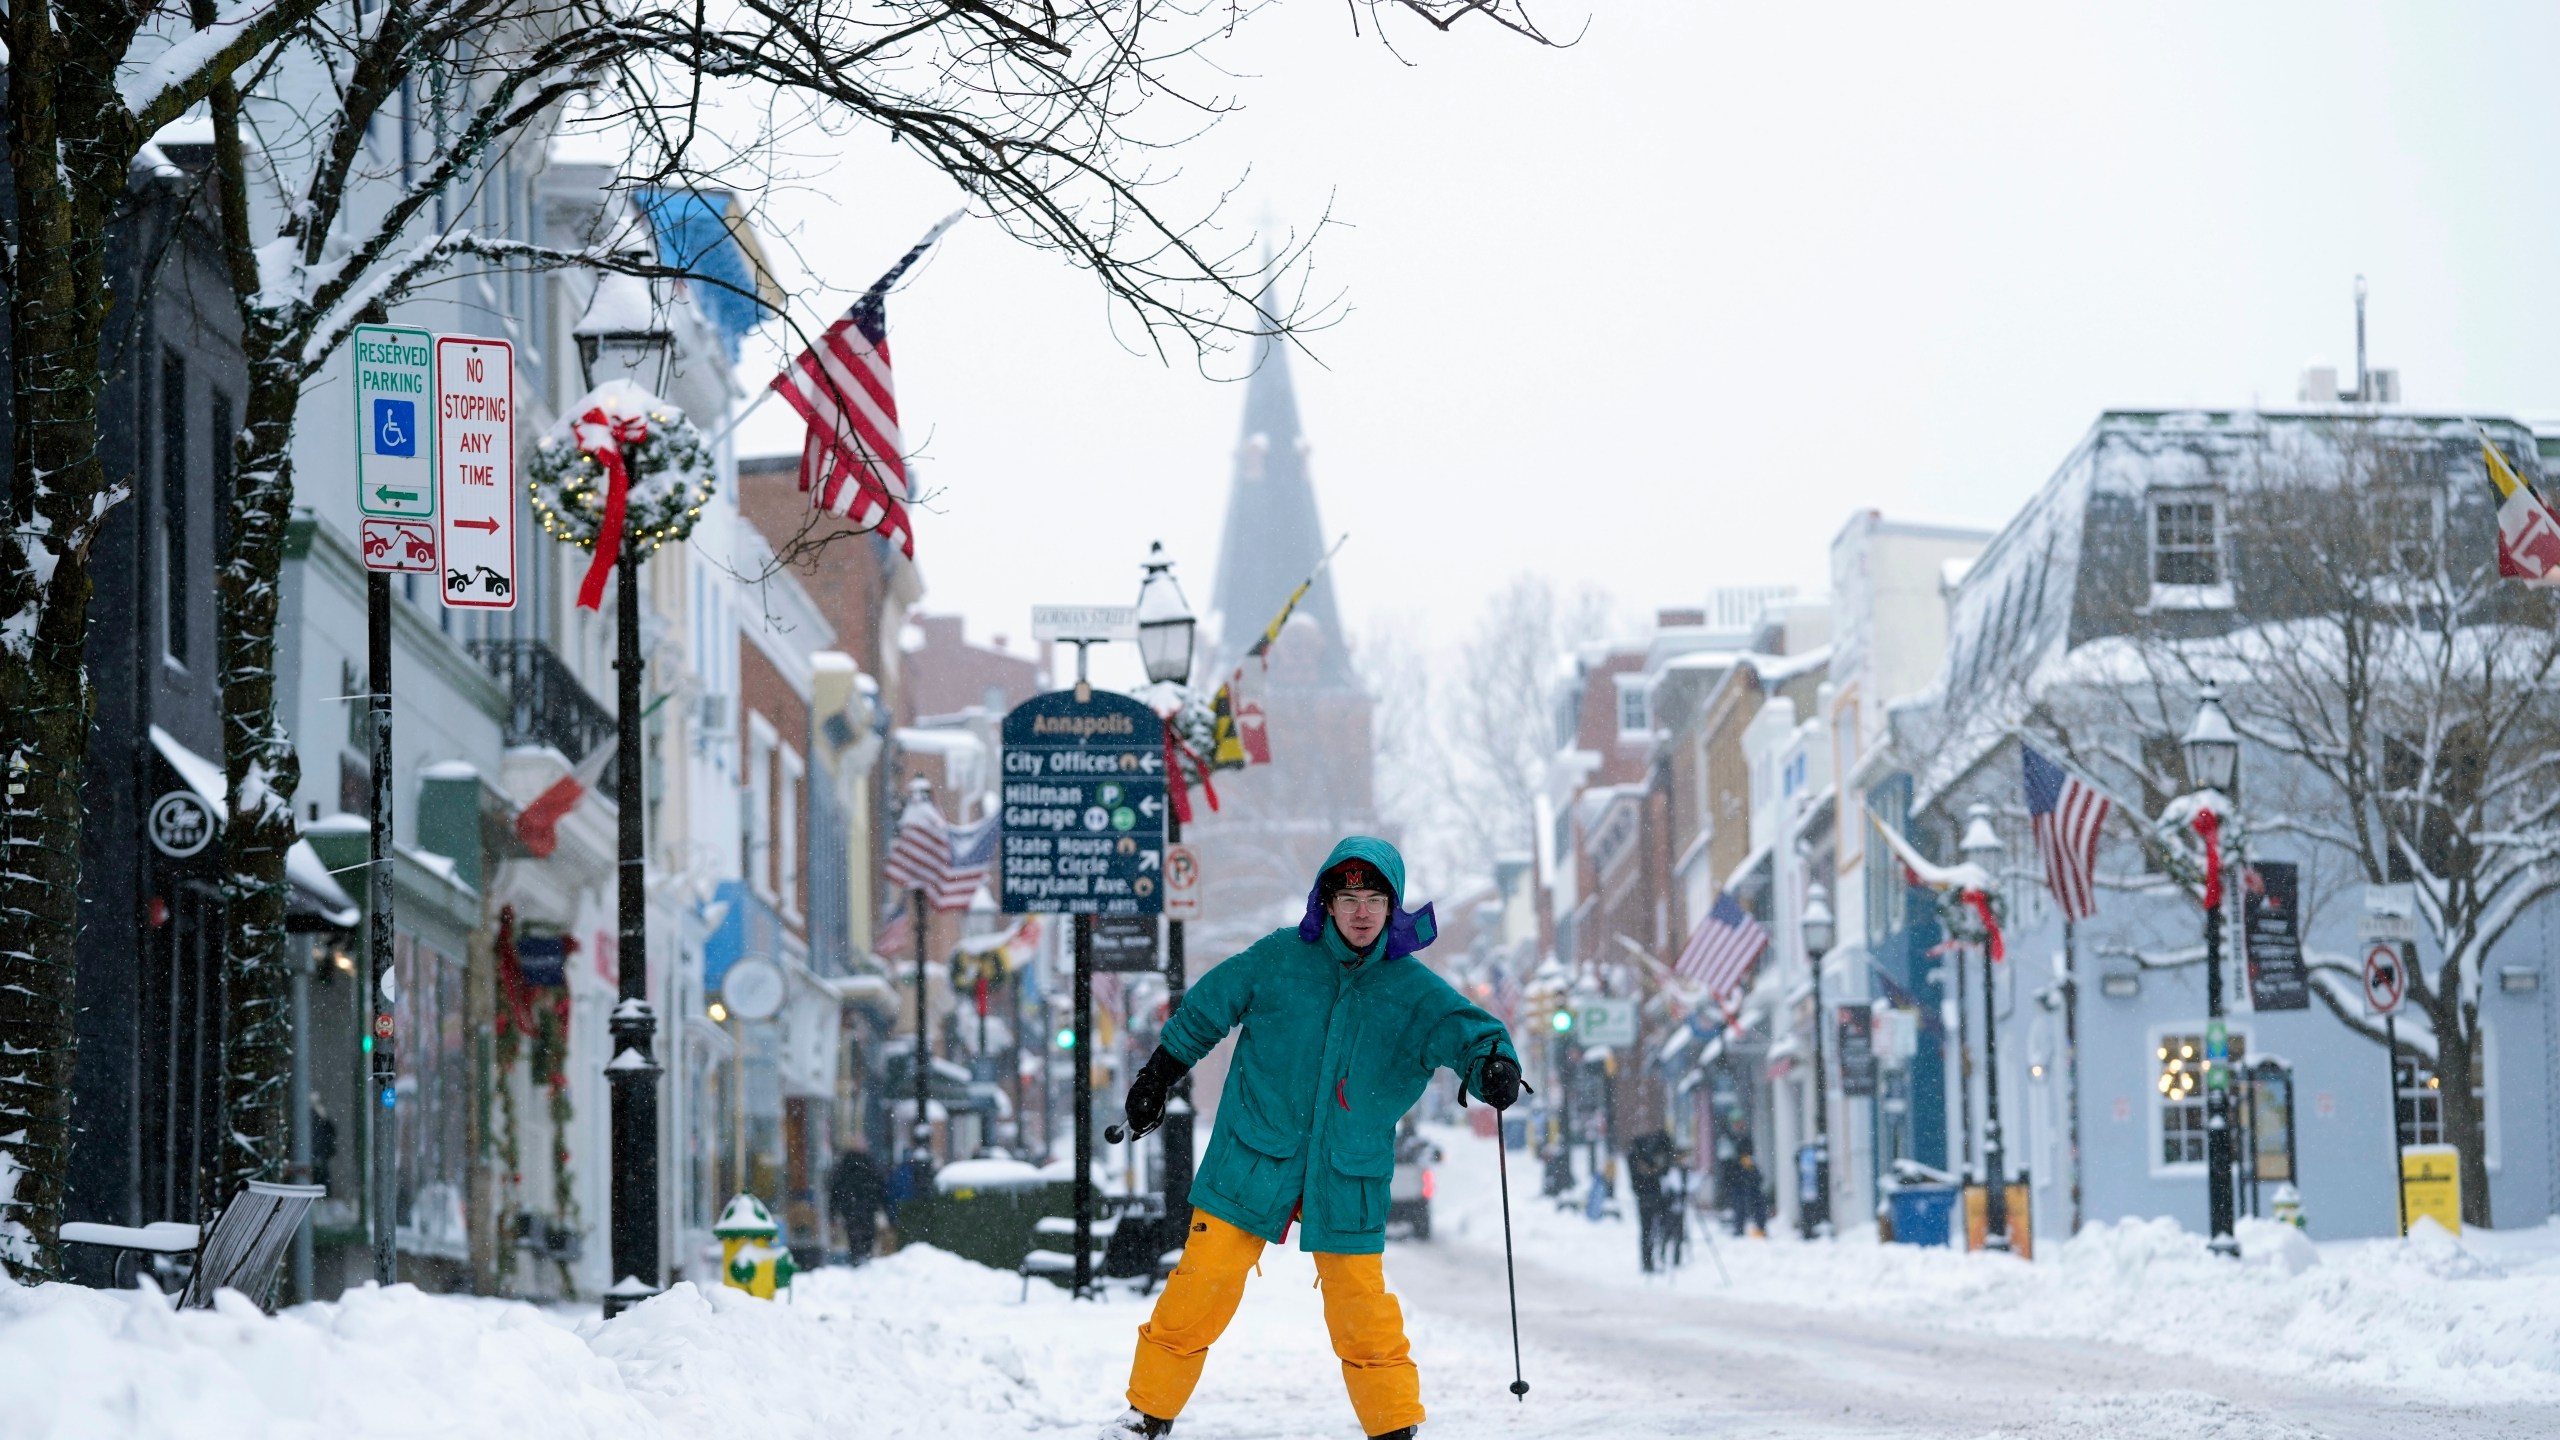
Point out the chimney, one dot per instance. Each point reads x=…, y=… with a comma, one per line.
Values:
x=2320, y=384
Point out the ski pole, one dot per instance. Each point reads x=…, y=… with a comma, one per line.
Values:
x=1502, y=1157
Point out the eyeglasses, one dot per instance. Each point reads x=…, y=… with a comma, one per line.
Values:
x=1363, y=901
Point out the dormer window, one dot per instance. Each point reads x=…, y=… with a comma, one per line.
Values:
x=2186, y=541
x=2188, y=565
x=1635, y=707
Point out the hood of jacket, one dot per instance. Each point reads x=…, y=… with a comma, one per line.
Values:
x=1407, y=930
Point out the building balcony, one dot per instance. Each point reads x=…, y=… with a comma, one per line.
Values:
x=545, y=703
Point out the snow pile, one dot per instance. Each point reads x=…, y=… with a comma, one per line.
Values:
x=2469, y=1319
x=885, y=1352
x=918, y=1344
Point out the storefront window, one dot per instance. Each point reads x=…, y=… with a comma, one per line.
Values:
x=2180, y=1086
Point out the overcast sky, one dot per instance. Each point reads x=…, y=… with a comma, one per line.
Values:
x=1657, y=312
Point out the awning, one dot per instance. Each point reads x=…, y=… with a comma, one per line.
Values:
x=317, y=899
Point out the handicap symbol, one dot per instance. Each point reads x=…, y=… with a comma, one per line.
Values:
x=395, y=428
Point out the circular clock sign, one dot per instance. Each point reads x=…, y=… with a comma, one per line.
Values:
x=181, y=824
x=752, y=989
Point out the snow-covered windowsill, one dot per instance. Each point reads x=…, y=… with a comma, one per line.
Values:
x=2191, y=597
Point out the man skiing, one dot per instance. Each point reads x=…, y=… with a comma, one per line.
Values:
x=1342, y=1030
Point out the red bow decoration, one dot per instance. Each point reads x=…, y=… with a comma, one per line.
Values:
x=1175, y=752
x=603, y=436
x=1981, y=905
x=2209, y=825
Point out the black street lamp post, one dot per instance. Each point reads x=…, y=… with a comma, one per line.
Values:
x=2212, y=749
x=1818, y=931
x=611, y=349
x=1166, y=632
x=1982, y=847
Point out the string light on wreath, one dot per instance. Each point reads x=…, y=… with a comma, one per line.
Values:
x=665, y=469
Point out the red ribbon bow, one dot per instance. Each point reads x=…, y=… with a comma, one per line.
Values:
x=2209, y=825
x=1981, y=904
x=1178, y=785
x=603, y=436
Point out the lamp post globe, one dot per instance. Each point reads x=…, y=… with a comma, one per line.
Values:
x=1819, y=931
x=1983, y=848
x=1166, y=626
x=621, y=335
x=1818, y=926
x=2212, y=746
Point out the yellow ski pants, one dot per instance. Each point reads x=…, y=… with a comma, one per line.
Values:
x=1366, y=1323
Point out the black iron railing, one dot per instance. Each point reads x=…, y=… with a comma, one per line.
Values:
x=545, y=703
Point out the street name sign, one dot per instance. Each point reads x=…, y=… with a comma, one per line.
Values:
x=1087, y=623
x=395, y=429
x=2390, y=913
x=1084, y=806
x=476, y=471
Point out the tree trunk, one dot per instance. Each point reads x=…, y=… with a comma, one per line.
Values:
x=2463, y=1127
x=261, y=767
x=58, y=304
x=264, y=773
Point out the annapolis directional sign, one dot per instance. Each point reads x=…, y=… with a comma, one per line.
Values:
x=1084, y=806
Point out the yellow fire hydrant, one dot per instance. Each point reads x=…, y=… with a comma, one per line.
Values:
x=749, y=1260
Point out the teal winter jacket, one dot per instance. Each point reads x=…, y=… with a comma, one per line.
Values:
x=1332, y=1055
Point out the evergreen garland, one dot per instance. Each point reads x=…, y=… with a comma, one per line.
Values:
x=672, y=474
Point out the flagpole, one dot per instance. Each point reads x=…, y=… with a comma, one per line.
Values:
x=2071, y=1051
x=738, y=419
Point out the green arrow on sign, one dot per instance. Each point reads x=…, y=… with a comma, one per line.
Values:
x=386, y=494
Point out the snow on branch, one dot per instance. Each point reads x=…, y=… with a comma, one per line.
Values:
x=158, y=89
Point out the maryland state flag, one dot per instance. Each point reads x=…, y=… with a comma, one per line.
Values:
x=2528, y=535
x=1239, y=733
x=1238, y=736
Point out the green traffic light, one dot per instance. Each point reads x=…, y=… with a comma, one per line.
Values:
x=1067, y=1038
x=1563, y=1021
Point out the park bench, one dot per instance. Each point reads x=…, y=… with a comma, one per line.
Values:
x=242, y=1250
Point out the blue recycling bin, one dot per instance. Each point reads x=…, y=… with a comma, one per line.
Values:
x=1923, y=1214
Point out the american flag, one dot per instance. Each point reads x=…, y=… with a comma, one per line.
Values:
x=2068, y=815
x=945, y=861
x=853, y=462
x=921, y=855
x=973, y=854
x=1721, y=949
x=897, y=939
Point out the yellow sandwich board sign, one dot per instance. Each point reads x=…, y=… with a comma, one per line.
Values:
x=2431, y=1184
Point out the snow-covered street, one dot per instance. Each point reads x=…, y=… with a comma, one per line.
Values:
x=2130, y=1333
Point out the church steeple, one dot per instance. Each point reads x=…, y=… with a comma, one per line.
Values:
x=1273, y=534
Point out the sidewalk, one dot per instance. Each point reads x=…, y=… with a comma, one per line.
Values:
x=2455, y=1319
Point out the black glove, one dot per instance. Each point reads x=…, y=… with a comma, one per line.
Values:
x=1499, y=1081
x=1148, y=1092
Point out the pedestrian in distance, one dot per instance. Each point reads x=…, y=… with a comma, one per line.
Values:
x=1342, y=1030
x=857, y=1193
x=1747, y=1195
x=1649, y=1158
